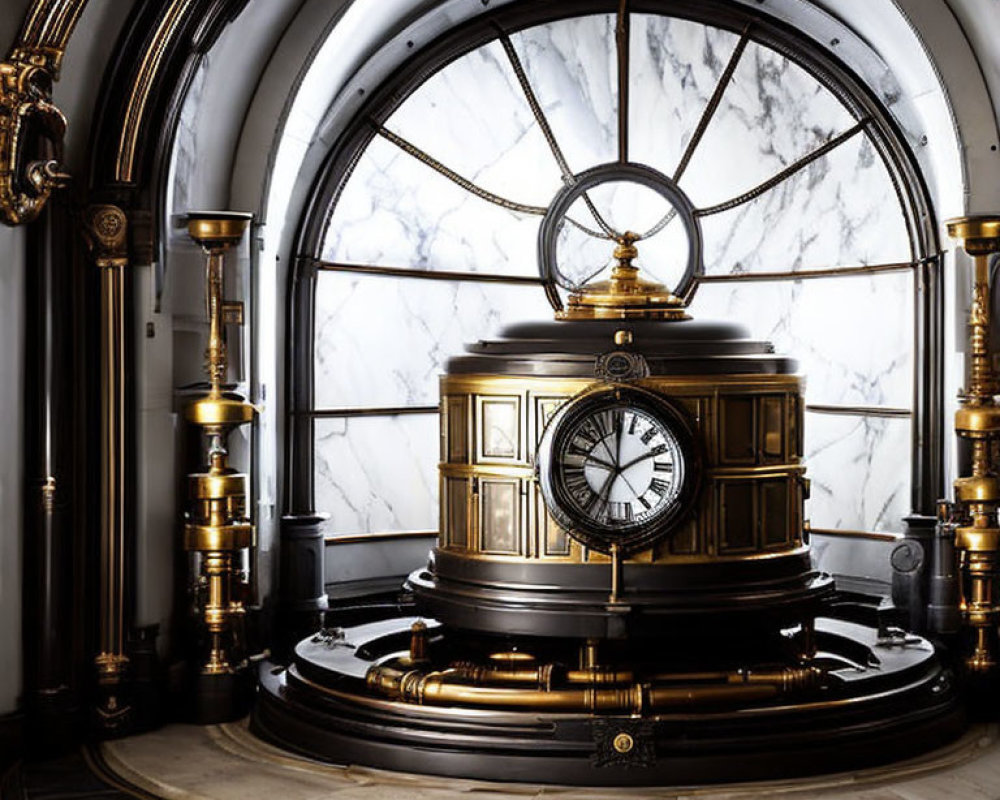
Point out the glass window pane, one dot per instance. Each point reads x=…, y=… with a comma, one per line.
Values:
x=378, y=473
x=384, y=341
x=675, y=66
x=852, y=336
x=860, y=471
x=841, y=210
x=572, y=66
x=397, y=211
x=473, y=117
x=772, y=114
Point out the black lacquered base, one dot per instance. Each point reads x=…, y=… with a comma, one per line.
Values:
x=879, y=702
x=518, y=598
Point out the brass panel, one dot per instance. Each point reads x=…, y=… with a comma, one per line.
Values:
x=775, y=513
x=545, y=406
x=500, y=434
x=737, y=430
x=738, y=507
x=500, y=517
x=772, y=429
x=684, y=541
x=457, y=496
x=554, y=541
x=796, y=426
x=456, y=425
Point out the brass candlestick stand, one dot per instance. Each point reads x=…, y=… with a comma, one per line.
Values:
x=217, y=524
x=977, y=496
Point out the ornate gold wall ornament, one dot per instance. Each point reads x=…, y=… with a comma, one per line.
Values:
x=31, y=127
x=106, y=231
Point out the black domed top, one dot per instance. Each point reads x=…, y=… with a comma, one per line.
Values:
x=571, y=348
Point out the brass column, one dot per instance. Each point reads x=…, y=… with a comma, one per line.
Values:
x=107, y=230
x=977, y=496
x=217, y=524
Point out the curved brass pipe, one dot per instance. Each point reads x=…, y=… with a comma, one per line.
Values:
x=447, y=688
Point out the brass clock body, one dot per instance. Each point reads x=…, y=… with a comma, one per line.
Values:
x=521, y=512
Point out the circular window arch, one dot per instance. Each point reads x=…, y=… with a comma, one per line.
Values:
x=423, y=226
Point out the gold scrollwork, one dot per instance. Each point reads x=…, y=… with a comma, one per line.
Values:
x=106, y=231
x=31, y=126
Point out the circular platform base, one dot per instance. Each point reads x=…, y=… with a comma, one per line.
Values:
x=894, y=699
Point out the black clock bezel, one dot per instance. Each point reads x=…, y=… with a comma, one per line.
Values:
x=586, y=531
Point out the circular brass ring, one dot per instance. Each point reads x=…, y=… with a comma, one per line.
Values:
x=555, y=216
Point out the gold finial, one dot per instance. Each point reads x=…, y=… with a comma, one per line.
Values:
x=625, y=295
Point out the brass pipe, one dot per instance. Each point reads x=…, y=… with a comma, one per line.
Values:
x=550, y=674
x=446, y=688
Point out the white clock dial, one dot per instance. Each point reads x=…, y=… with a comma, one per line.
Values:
x=621, y=466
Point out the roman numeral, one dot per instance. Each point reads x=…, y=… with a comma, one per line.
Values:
x=632, y=424
x=647, y=437
x=658, y=450
x=597, y=507
x=663, y=466
x=660, y=487
x=646, y=504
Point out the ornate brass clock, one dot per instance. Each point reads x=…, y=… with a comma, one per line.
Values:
x=618, y=468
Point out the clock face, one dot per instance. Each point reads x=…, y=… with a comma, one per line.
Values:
x=615, y=467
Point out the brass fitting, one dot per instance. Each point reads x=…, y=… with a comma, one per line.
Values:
x=977, y=496
x=217, y=524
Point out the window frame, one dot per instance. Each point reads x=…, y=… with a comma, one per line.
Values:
x=927, y=427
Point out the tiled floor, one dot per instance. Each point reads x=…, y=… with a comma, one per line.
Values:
x=226, y=763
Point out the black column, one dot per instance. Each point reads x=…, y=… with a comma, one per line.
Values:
x=51, y=690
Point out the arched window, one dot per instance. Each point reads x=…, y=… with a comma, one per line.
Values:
x=817, y=236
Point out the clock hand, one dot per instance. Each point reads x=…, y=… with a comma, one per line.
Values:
x=601, y=498
x=628, y=483
x=619, y=422
x=591, y=459
x=636, y=460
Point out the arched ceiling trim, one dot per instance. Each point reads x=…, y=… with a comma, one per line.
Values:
x=145, y=86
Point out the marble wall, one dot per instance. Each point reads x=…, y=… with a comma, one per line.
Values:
x=853, y=336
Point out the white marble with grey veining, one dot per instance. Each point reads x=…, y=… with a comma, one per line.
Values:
x=397, y=211
x=377, y=474
x=384, y=341
x=852, y=336
x=860, y=471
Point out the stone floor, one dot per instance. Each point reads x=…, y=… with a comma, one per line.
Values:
x=225, y=762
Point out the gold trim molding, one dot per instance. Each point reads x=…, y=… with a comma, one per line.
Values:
x=31, y=126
